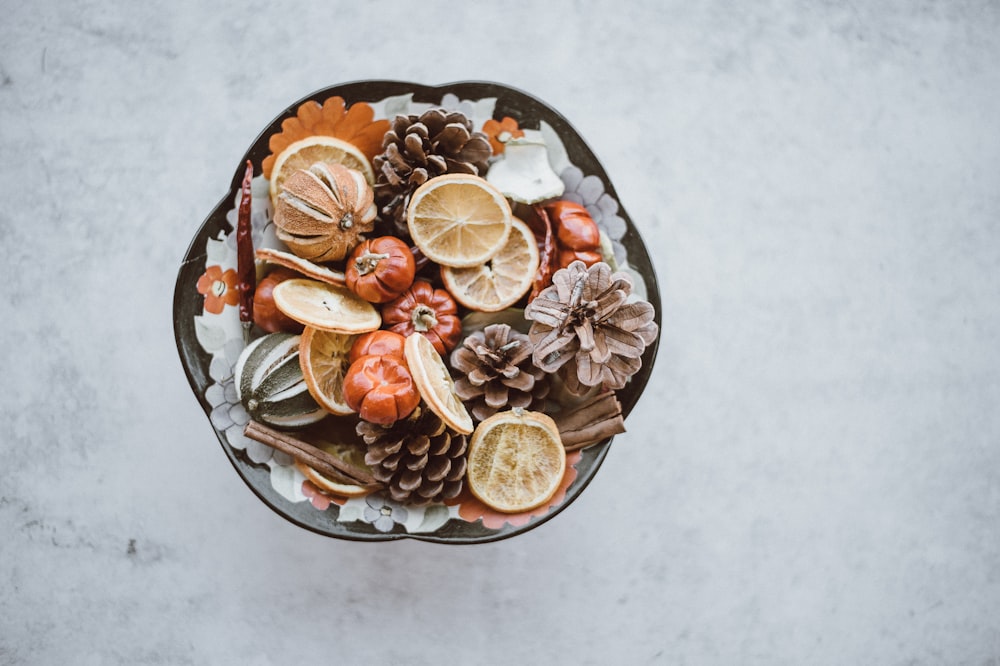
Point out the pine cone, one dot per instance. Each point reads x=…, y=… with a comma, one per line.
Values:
x=585, y=327
x=418, y=458
x=497, y=372
x=418, y=148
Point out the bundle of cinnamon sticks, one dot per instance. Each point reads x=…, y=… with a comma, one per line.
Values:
x=591, y=421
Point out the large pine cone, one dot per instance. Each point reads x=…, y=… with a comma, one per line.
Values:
x=419, y=459
x=418, y=148
x=497, y=372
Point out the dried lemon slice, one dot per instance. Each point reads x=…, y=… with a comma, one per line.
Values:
x=458, y=220
x=502, y=280
x=327, y=307
x=435, y=384
x=516, y=461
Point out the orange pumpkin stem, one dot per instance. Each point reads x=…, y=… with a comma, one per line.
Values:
x=368, y=261
x=424, y=318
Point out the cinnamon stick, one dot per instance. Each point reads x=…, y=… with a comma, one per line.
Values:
x=593, y=420
x=328, y=465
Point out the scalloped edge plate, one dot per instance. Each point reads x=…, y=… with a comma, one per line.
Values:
x=529, y=112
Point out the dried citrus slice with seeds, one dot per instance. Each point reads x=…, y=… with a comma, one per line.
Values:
x=327, y=307
x=435, y=384
x=516, y=461
x=304, y=153
x=458, y=220
x=502, y=280
x=324, y=356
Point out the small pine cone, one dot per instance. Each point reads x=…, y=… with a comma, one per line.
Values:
x=497, y=372
x=419, y=459
x=418, y=148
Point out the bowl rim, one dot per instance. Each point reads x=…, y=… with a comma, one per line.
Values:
x=509, y=101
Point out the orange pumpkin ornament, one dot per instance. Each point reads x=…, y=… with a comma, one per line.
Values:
x=380, y=389
x=322, y=212
x=577, y=235
x=265, y=313
x=428, y=311
x=378, y=343
x=380, y=269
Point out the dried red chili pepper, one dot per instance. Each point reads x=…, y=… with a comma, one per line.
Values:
x=246, y=270
x=541, y=226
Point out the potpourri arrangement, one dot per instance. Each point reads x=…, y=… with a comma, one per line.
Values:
x=432, y=326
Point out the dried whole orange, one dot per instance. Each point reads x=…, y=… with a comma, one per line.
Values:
x=322, y=212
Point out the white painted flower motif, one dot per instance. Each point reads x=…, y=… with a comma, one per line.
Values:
x=382, y=513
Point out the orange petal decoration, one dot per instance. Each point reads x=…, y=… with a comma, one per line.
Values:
x=497, y=129
x=333, y=117
x=218, y=288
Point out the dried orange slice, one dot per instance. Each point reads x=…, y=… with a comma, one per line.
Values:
x=435, y=384
x=331, y=486
x=325, y=306
x=339, y=439
x=305, y=152
x=458, y=220
x=324, y=357
x=516, y=461
x=502, y=280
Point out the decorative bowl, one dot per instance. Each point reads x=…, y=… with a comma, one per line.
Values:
x=209, y=335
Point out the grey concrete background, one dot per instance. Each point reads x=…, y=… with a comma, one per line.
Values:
x=813, y=476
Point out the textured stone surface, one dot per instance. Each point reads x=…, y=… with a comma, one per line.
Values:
x=812, y=478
